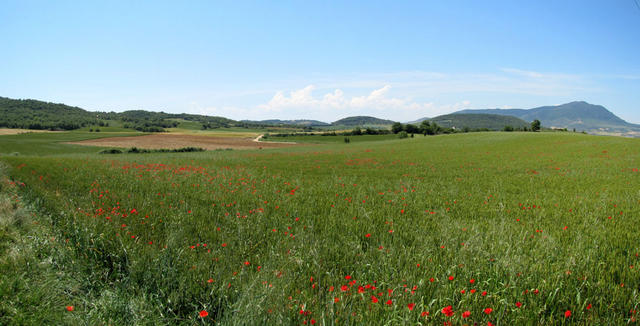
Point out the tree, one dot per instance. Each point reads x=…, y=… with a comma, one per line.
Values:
x=535, y=125
x=396, y=127
x=424, y=126
x=411, y=129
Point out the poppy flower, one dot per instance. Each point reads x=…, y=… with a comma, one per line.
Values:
x=411, y=306
x=567, y=314
x=203, y=314
x=448, y=311
x=389, y=302
x=466, y=314
x=451, y=278
x=589, y=307
x=69, y=308
x=518, y=304
x=374, y=299
x=487, y=310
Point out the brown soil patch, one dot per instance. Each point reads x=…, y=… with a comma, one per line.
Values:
x=7, y=131
x=171, y=141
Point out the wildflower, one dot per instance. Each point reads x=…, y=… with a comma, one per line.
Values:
x=203, y=314
x=488, y=311
x=451, y=278
x=374, y=299
x=518, y=304
x=589, y=307
x=466, y=314
x=411, y=306
x=69, y=308
x=567, y=314
x=448, y=311
x=389, y=302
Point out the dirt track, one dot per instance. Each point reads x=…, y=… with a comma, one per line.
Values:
x=170, y=141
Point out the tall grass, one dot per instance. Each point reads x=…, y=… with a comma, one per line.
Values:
x=529, y=225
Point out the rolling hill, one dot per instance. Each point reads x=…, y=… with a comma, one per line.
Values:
x=361, y=121
x=479, y=121
x=580, y=115
x=278, y=122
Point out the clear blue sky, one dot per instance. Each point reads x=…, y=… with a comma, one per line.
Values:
x=323, y=60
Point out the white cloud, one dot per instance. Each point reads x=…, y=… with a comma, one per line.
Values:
x=404, y=96
x=336, y=104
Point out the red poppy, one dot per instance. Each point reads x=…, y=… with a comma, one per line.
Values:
x=448, y=311
x=69, y=308
x=484, y=293
x=344, y=288
x=424, y=314
x=518, y=304
x=411, y=306
x=389, y=302
x=567, y=314
x=374, y=299
x=589, y=307
x=336, y=300
x=487, y=310
x=466, y=314
x=203, y=314
x=451, y=278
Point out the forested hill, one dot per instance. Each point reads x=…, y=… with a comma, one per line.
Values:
x=479, y=121
x=361, y=121
x=33, y=114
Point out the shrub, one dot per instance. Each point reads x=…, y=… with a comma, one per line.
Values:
x=403, y=134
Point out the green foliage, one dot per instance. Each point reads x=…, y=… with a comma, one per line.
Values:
x=397, y=127
x=122, y=238
x=361, y=121
x=403, y=134
x=32, y=114
x=535, y=125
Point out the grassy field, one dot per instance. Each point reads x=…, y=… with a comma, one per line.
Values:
x=320, y=139
x=499, y=228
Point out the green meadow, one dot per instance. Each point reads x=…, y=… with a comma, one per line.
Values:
x=462, y=229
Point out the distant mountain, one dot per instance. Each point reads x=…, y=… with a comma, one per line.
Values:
x=277, y=122
x=361, y=121
x=417, y=122
x=579, y=115
x=479, y=121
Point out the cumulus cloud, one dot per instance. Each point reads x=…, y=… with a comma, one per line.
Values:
x=336, y=102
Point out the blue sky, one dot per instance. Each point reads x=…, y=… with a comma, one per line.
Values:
x=323, y=60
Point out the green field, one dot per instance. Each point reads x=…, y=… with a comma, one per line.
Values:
x=505, y=228
x=320, y=139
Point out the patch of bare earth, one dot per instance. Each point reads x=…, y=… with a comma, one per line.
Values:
x=7, y=131
x=172, y=141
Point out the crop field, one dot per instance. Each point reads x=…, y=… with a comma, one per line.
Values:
x=175, y=140
x=462, y=229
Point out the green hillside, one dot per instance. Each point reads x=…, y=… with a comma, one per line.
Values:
x=479, y=121
x=361, y=121
x=580, y=115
